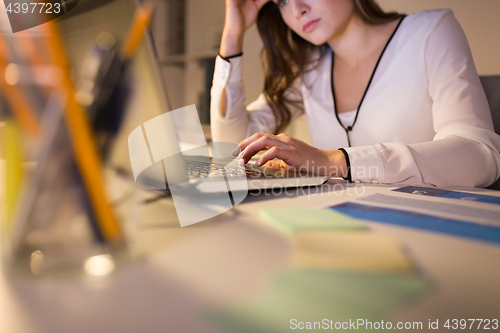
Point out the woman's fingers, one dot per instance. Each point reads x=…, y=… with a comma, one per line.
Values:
x=262, y=143
x=274, y=152
x=240, y=15
x=243, y=144
x=277, y=164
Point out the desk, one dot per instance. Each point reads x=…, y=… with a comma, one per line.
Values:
x=186, y=271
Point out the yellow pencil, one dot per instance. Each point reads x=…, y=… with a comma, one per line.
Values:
x=12, y=152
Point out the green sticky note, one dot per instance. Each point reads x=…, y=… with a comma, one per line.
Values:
x=291, y=221
x=322, y=297
x=377, y=291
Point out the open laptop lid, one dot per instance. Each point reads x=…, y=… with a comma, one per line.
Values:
x=148, y=98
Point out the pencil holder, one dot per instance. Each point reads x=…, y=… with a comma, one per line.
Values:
x=56, y=228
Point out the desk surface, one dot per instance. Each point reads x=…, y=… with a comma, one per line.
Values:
x=185, y=271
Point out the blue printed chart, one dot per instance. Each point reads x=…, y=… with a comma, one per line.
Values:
x=455, y=213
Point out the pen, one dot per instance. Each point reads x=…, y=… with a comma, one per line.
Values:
x=111, y=86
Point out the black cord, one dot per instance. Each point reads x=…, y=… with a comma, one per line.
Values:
x=349, y=128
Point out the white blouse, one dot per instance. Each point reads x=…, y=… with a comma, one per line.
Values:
x=425, y=119
x=347, y=118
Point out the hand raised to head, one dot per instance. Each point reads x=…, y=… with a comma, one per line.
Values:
x=241, y=14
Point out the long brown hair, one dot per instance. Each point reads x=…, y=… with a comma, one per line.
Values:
x=286, y=56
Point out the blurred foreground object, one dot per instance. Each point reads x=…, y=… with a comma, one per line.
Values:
x=62, y=220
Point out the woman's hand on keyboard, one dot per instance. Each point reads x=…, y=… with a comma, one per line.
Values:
x=294, y=153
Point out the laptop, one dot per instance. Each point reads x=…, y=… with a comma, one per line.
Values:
x=169, y=148
x=210, y=171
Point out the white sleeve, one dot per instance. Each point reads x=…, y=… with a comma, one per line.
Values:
x=465, y=148
x=240, y=121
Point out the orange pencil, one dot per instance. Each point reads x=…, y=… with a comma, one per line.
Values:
x=19, y=105
x=141, y=21
x=84, y=148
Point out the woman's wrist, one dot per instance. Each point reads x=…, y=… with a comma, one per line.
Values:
x=337, y=164
x=231, y=44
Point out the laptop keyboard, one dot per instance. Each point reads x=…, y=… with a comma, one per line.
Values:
x=197, y=169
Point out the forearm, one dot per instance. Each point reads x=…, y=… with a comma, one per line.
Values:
x=452, y=161
x=456, y=161
x=228, y=94
x=239, y=120
x=230, y=44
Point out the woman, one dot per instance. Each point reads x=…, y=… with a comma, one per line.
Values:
x=388, y=98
